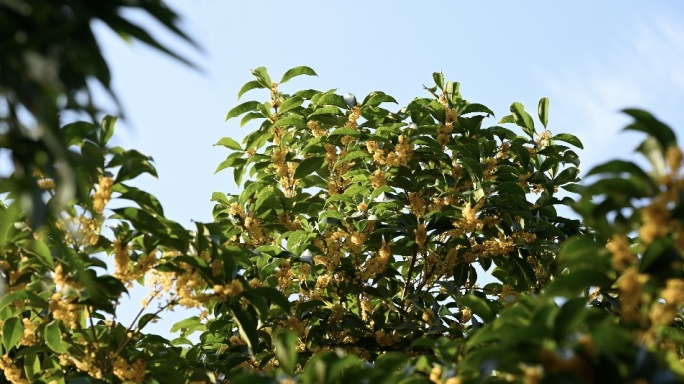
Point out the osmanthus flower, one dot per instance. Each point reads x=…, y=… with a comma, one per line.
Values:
x=103, y=194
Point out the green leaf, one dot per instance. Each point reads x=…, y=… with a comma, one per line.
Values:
x=655, y=154
x=133, y=164
x=376, y=98
x=476, y=108
x=53, y=337
x=543, y=110
x=246, y=327
x=290, y=121
x=326, y=110
x=242, y=108
x=478, y=306
x=347, y=131
x=274, y=296
x=8, y=216
x=659, y=257
x=508, y=119
x=249, y=86
x=308, y=166
x=570, y=139
x=262, y=77
x=618, y=167
x=438, y=77
x=231, y=161
x=12, y=331
x=571, y=284
x=285, y=344
x=75, y=133
x=229, y=143
x=522, y=118
x=249, y=117
x=297, y=71
x=570, y=316
x=290, y=104
x=107, y=129
x=473, y=167
x=330, y=98
x=647, y=123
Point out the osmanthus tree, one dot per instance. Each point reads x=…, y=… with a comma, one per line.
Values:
x=354, y=253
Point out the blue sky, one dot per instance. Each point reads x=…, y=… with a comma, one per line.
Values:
x=590, y=58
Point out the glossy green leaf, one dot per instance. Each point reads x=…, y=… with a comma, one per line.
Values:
x=543, y=111
x=290, y=104
x=523, y=119
x=246, y=327
x=438, y=77
x=245, y=107
x=107, y=129
x=568, y=138
x=229, y=143
x=53, y=337
x=12, y=331
x=262, y=77
x=308, y=166
x=254, y=84
x=297, y=71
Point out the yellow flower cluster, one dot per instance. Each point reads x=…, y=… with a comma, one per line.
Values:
x=354, y=242
x=544, y=139
x=12, y=372
x=655, y=217
x=331, y=249
x=46, y=184
x=87, y=364
x=233, y=288
x=330, y=154
x=378, y=180
x=428, y=316
x=629, y=285
x=444, y=133
x=103, y=194
x=377, y=262
x=400, y=156
x=290, y=225
x=285, y=275
x=503, y=150
x=385, y=339
x=29, y=337
x=65, y=310
x=122, y=265
x=316, y=129
x=352, y=119
x=402, y=153
x=623, y=256
x=673, y=157
x=421, y=235
x=187, y=286
x=255, y=230
x=129, y=373
x=417, y=203
x=80, y=231
x=278, y=157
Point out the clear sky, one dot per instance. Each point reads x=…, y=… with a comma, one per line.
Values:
x=591, y=58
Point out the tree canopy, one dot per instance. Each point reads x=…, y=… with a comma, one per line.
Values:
x=368, y=243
